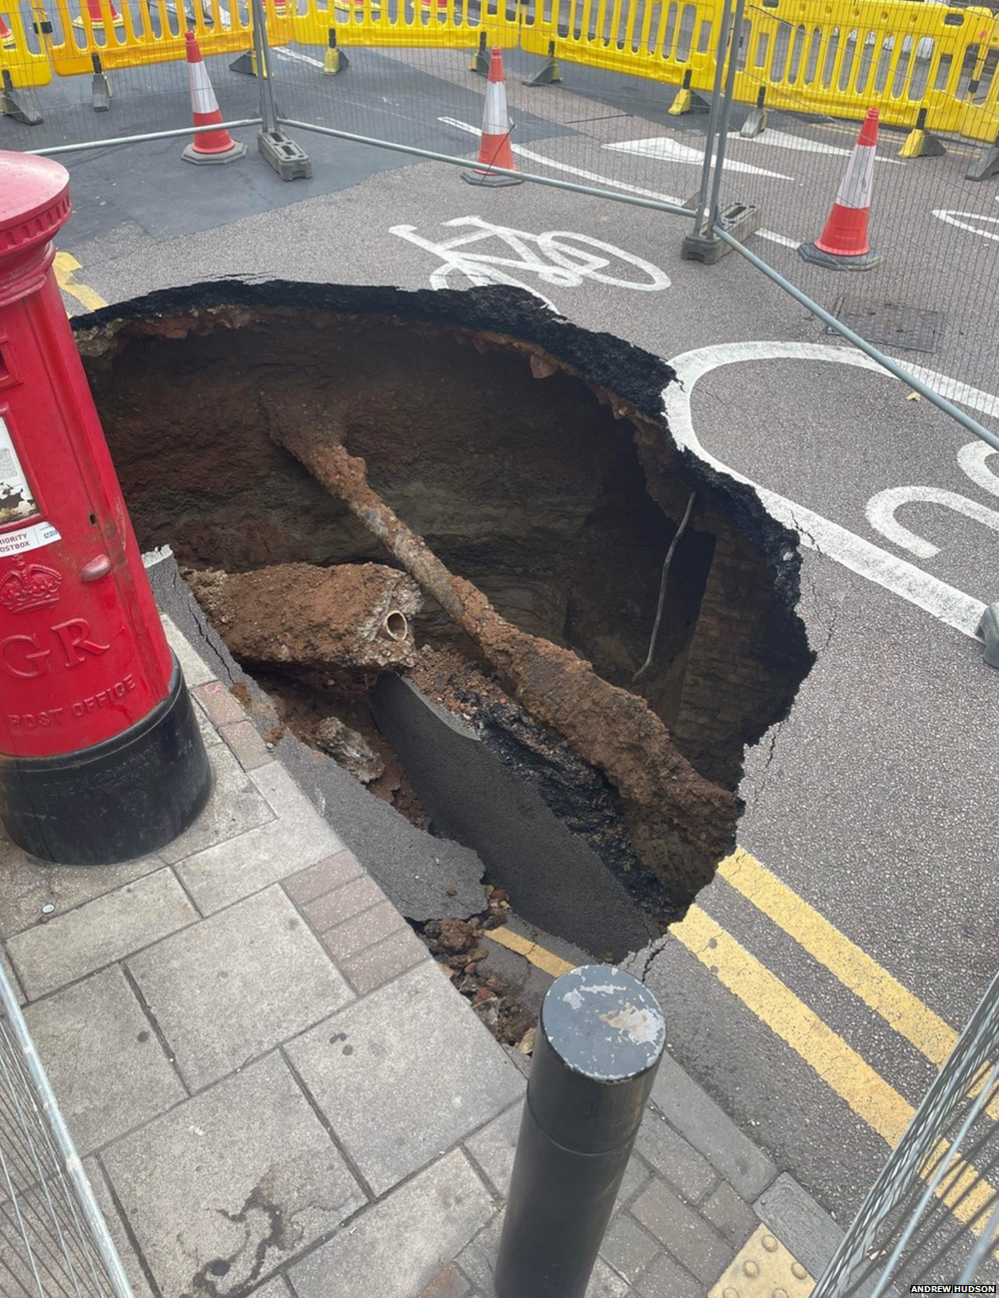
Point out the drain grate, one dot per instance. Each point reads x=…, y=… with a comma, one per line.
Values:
x=888, y=324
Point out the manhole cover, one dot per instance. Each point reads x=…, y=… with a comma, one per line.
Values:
x=887, y=324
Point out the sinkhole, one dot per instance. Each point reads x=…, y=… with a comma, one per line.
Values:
x=449, y=537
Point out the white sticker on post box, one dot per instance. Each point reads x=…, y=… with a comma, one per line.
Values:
x=28, y=538
x=16, y=498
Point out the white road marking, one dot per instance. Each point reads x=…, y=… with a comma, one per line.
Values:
x=782, y=239
x=280, y=51
x=947, y=603
x=666, y=150
x=785, y=140
x=298, y=58
x=951, y=219
x=881, y=514
x=567, y=265
x=523, y=152
x=971, y=459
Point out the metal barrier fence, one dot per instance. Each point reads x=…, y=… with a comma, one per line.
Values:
x=932, y=218
x=53, y=1240
x=667, y=41
x=24, y=63
x=151, y=31
x=932, y=1209
x=389, y=24
x=921, y=64
x=942, y=68
x=903, y=59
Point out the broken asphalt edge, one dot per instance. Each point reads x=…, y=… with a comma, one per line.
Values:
x=513, y=317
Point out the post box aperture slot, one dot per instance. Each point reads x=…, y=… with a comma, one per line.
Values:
x=8, y=369
x=17, y=497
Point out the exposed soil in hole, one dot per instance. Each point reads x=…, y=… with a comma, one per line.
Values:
x=317, y=639
x=354, y=616
x=457, y=947
x=305, y=702
x=531, y=463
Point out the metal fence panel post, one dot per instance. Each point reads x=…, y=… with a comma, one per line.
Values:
x=701, y=230
x=600, y=1039
x=52, y=1224
x=288, y=158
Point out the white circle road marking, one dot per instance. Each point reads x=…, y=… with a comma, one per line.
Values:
x=947, y=603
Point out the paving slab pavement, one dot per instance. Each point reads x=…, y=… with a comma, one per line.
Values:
x=278, y=1093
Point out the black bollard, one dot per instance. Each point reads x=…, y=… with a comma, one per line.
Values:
x=600, y=1038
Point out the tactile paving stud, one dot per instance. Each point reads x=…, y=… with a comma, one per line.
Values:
x=763, y=1268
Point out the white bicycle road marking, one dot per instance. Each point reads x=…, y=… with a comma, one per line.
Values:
x=951, y=219
x=567, y=266
x=881, y=514
x=950, y=605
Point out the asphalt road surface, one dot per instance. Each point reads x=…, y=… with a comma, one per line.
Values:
x=871, y=816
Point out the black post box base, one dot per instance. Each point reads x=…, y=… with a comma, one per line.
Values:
x=117, y=800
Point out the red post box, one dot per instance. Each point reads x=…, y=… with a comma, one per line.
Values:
x=101, y=758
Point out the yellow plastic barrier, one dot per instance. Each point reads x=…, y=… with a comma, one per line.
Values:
x=439, y=24
x=914, y=61
x=842, y=57
x=980, y=119
x=838, y=57
x=135, y=33
x=666, y=40
x=22, y=56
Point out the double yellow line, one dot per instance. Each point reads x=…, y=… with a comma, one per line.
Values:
x=65, y=267
x=845, y=1071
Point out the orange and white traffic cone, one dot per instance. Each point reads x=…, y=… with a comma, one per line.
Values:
x=495, y=150
x=6, y=36
x=843, y=243
x=96, y=16
x=211, y=145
